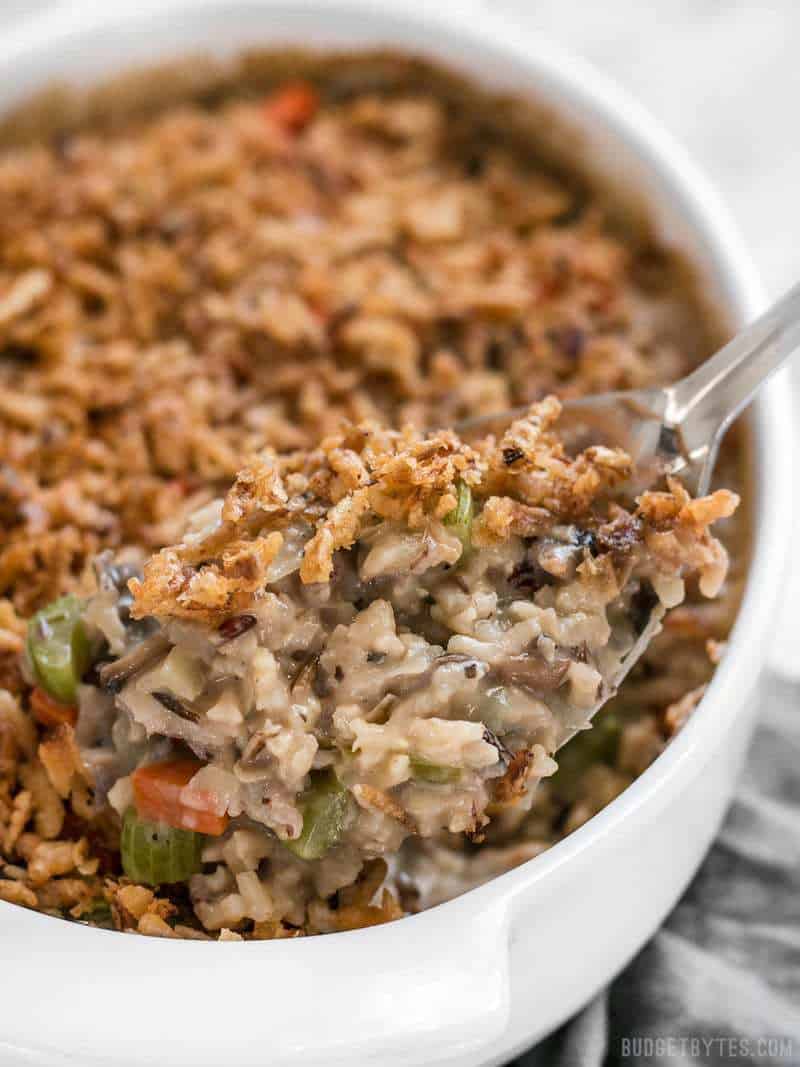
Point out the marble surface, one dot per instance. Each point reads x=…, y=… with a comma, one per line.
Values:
x=721, y=76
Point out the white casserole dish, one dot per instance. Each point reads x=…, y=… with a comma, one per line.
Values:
x=478, y=979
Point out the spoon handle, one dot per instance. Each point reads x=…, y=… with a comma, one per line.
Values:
x=705, y=403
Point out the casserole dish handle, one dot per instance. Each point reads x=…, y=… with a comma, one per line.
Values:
x=428, y=988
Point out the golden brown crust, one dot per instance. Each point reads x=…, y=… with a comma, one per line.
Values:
x=522, y=484
x=511, y=787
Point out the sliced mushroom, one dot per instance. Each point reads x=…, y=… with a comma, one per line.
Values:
x=531, y=671
x=114, y=675
x=380, y=712
x=403, y=685
x=253, y=764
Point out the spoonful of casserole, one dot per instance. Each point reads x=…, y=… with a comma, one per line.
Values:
x=394, y=633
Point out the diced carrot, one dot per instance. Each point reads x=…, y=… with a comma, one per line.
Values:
x=157, y=791
x=50, y=712
x=292, y=107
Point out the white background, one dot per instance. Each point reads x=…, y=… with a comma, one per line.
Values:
x=724, y=77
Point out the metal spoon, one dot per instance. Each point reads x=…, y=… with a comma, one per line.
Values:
x=676, y=429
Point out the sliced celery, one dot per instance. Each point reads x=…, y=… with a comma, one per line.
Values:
x=437, y=773
x=324, y=805
x=460, y=518
x=155, y=854
x=58, y=648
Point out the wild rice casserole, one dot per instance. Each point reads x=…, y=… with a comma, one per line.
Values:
x=240, y=327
